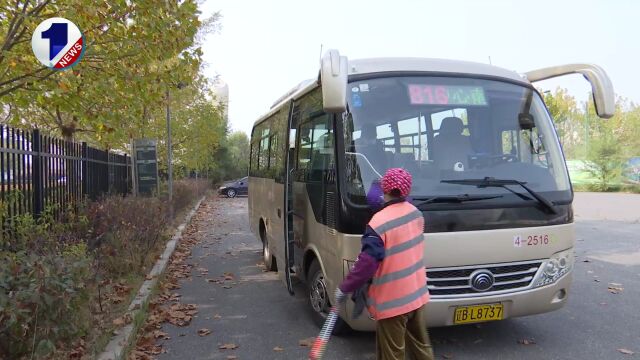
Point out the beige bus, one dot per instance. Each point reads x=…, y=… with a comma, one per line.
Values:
x=488, y=174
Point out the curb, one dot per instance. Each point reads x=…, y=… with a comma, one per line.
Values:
x=119, y=343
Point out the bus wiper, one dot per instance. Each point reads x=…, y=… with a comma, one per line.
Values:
x=493, y=182
x=454, y=199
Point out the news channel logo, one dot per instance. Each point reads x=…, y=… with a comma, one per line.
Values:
x=57, y=43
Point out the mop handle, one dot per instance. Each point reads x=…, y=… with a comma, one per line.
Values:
x=320, y=344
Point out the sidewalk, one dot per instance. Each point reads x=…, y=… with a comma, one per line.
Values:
x=248, y=311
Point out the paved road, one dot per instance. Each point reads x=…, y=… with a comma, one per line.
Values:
x=258, y=315
x=607, y=206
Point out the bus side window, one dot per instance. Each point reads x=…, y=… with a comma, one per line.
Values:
x=304, y=151
x=322, y=154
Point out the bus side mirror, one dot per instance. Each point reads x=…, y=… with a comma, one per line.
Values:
x=333, y=79
x=601, y=87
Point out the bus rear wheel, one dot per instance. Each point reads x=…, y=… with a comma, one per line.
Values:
x=320, y=299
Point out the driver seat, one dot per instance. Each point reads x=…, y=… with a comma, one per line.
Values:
x=450, y=146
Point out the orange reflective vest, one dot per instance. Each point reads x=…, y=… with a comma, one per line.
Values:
x=399, y=285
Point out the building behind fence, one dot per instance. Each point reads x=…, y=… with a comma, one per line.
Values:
x=40, y=172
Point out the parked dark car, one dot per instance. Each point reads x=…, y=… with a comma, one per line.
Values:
x=235, y=188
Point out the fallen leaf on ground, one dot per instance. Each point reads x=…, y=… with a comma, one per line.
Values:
x=121, y=289
x=278, y=348
x=204, y=332
x=615, y=289
x=232, y=357
x=625, y=351
x=121, y=321
x=148, y=277
x=158, y=334
x=307, y=342
x=447, y=356
x=526, y=342
x=217, y=316
x=230, y=346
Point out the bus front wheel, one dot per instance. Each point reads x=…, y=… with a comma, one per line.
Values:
x=320, y=299
x=269, y=261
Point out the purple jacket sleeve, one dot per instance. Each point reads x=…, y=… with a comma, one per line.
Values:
x=374, y=196
x=367, y=262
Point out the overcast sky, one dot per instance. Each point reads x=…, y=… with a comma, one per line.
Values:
x=264, y=48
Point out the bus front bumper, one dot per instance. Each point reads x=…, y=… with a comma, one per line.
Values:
x=440, y=312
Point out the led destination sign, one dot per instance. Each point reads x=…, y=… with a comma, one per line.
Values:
x=420, y=94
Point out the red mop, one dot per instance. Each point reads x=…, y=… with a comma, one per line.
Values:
x=320, y=344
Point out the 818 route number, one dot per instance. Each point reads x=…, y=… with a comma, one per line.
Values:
x=531, y=240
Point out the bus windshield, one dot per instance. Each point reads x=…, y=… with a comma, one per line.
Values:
x=444, y=129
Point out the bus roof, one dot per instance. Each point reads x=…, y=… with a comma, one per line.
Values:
x=398, y=65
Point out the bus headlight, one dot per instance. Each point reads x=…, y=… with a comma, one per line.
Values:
x=559, y=264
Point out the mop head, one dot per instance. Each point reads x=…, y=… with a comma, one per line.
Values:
x=320, y=344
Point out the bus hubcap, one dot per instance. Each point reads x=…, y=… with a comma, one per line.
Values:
x=318, y=295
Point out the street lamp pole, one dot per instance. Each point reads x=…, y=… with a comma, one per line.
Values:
x=169, y=156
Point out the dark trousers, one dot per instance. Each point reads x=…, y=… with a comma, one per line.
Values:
x=403, y=334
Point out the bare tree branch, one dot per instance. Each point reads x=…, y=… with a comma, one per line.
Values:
x=22, y=84
x=23, y=76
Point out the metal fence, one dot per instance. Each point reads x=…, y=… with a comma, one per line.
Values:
x=40, y=173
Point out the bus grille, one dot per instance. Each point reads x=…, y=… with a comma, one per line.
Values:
x=456, y=281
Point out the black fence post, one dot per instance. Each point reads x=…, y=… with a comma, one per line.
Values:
x=36, y=173
x=85, y=170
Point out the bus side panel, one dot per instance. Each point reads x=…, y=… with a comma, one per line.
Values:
x=311, y=234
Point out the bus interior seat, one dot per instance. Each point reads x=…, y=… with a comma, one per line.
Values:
x=450, y=146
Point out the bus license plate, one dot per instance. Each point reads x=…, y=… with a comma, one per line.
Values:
x=477, y=313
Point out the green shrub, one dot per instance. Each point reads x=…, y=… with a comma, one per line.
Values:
x=605, y=163
x=53, y=268
x=44, y=279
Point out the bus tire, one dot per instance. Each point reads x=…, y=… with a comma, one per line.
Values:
x=267, y=257
x=320, y=300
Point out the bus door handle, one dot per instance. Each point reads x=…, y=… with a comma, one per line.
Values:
x=279, y=213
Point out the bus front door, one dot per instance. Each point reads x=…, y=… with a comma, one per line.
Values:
x=288, y=210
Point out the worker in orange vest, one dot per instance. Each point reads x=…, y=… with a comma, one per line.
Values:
x=391, y=264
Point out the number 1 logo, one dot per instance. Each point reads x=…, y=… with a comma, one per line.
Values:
x=57, y=35
x=57, y=43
